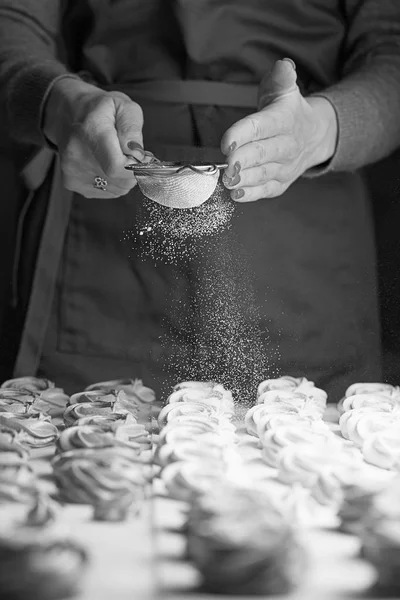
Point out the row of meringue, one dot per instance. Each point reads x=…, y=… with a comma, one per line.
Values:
x=37, y=559
x=196, y=432
x=370, y=418
x=297, y=443
x=99, y=456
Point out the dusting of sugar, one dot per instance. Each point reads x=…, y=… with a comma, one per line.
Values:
x=167, y=234
x=219, y=335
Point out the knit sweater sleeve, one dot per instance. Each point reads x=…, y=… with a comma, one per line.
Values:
x=28, y=64
x=367, y=96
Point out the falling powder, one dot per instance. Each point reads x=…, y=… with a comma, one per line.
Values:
x=213, y=332
x=167, y=234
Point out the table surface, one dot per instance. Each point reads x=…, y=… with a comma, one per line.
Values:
x=144, y=557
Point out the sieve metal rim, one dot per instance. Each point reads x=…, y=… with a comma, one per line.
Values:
x=160, y=169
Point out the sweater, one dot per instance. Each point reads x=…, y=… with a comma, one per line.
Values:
x=363, y=82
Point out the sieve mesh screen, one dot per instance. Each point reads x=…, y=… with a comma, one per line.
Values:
x=177, y=185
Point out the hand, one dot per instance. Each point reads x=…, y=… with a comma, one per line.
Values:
x=268, y=150
x=94, y=132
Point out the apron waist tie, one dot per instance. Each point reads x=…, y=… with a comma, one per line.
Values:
x=191, y=91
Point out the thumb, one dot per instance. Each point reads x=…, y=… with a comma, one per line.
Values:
x=280, y=82
x=129, y=127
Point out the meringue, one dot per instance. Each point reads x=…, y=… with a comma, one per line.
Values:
x=110, y=479
x=382, y=448
x=275, y=440
x=358, y=424
x=241, y=544
x=207, y=392
x=34, y=430
x=91, y=436
x=293, y=384
x=133, y=388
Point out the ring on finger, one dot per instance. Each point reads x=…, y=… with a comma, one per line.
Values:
x=100, y=183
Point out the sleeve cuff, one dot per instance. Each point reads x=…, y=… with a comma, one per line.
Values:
x=28, y=96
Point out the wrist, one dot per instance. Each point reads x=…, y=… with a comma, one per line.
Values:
x=59, y=104
x=325, y=132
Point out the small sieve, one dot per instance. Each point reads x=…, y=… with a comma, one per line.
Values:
x=177, y=184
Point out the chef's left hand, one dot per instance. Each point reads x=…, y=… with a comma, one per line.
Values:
x=268, y=150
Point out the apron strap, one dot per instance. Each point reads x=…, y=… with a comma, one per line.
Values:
x=43, y=287
x=191, y=91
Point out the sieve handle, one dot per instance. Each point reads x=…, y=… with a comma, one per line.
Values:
x=170, y=168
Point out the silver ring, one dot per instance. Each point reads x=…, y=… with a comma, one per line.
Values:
x=100, y=183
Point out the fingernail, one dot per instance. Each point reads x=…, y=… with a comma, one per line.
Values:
x=291, y=62
x=237, y=194
x=135, y=146
x=226, y=180
x=232, y=147
x=235, y=180
x=237, y=167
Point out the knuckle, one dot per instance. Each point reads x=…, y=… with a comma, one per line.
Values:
x=265, y=172
x=261, y=152
x=272, y=189
x=255, y=127
x=110, y=168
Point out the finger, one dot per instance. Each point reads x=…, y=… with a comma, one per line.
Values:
x=129, y=126
x=258, y=126
x=279, y=149
x=99, y=136
x=271, y=189
x=256, y=176
x=280, y=82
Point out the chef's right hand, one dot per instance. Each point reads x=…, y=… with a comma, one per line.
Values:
x=94, y=131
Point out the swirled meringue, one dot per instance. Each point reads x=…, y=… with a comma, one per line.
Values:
x=295, y=384
x=323, y=468
x=177, y=409
x=384, y=389
x=119, y=400
x=17, y=479
x=242, y=545
x=373, y=401
x=132, y=387
x=111, y=420
x=187, y=480
x=14, y=396
x=18, y=402
x=32, y=384
x=207, y=392
x=34, y=431
x=302, y=404
x=185, y=429
x=88, y=409
x=360, y=423
x=91, y=436
x=262, y=417
x=274, y=441
x=206, y=449
x=110, y=479
x=382, y=448
x=48, y=399
x=356, y=389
